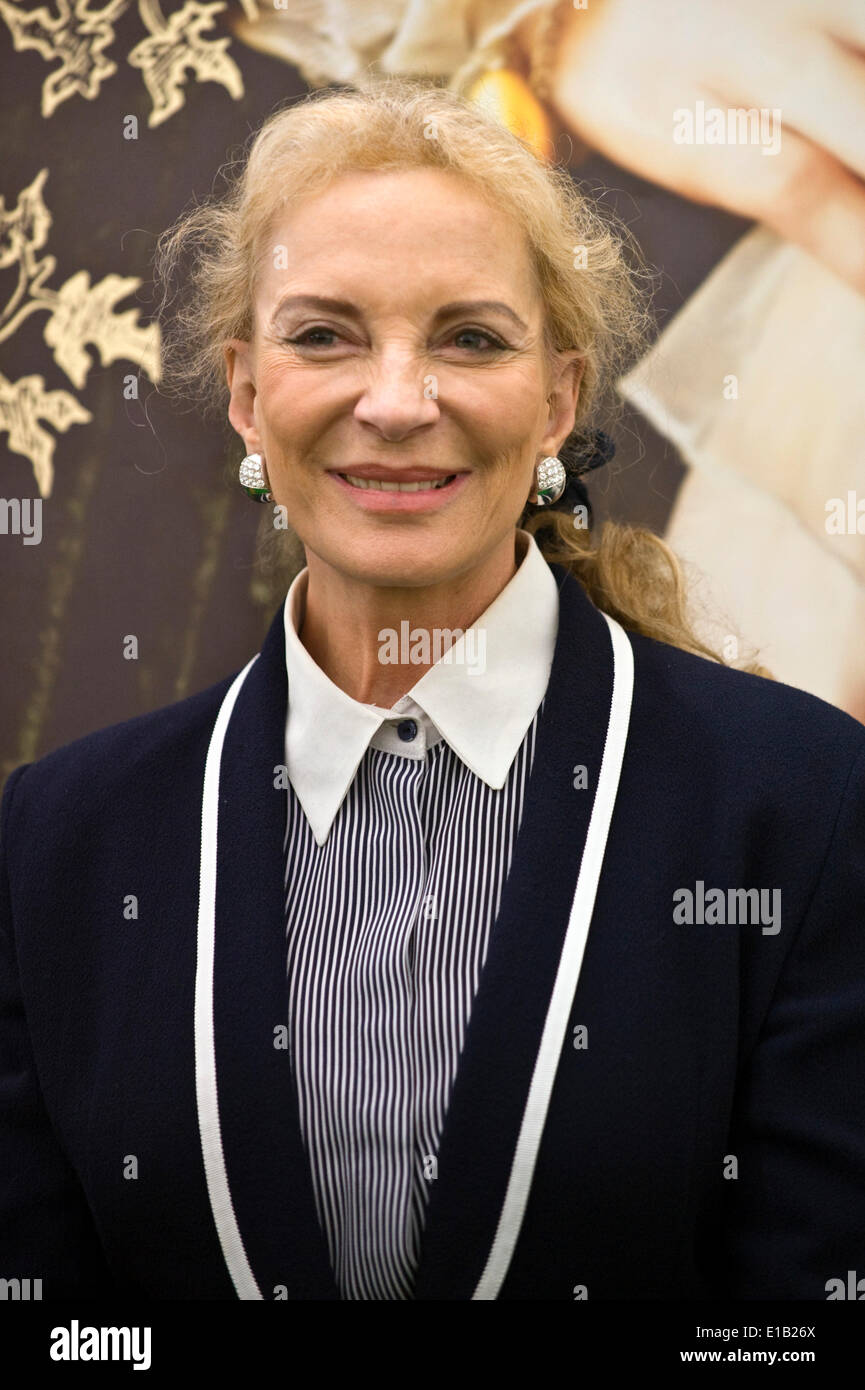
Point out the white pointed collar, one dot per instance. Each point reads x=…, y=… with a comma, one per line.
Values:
x=481, y=696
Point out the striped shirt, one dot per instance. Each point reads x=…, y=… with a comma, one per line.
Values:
x=389, y=910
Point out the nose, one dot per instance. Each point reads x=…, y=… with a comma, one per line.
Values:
x=400, y=393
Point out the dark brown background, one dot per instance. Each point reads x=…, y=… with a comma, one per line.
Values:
x=145, y=532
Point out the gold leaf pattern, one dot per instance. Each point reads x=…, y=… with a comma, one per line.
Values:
x=24, y=229
x=176, y=45
x=79, y=314
x=23, y=404
x=76, y=36
x=86, y=314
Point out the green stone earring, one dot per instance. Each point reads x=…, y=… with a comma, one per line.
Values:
x=550, y=479
x=253, y=478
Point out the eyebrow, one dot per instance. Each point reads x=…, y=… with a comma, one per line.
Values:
x=344, y=306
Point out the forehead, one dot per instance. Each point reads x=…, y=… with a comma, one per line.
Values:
x=416, y=232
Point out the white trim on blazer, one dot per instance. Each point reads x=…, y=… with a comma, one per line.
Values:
x=205, y=1046
x=549, y=1052
x=568, y=974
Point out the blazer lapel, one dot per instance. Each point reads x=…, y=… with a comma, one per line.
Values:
x=488, y=1100
x=258, y=1173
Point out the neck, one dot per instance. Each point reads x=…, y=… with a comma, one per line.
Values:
x=342, y=618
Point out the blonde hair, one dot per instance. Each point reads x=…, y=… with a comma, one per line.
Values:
x=587, y=268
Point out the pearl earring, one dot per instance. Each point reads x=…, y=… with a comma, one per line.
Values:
x=252, y=476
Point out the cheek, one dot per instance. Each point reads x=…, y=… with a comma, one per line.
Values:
x=506, y=435
x=504, y=398
x=284, y=399
x=287, y=425
x=510, y=422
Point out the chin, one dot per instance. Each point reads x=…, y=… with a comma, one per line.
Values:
x=409, y=561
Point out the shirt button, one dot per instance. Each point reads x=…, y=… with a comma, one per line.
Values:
x=407, y=730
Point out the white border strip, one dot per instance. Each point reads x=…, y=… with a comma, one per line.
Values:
x=570, y=964
x=205, y=1050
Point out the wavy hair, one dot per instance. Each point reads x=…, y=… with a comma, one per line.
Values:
x=587, y=267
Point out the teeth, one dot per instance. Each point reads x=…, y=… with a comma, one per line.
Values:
x=379, y=486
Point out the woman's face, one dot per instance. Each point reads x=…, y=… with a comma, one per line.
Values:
x=398, y=334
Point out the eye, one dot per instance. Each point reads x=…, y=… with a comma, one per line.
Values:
x=301, y=338
x=312, y=338
x=492, y=342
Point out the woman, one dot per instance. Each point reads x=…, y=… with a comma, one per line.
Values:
x=484, y=937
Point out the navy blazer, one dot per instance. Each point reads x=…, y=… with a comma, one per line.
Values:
x=705, y=1134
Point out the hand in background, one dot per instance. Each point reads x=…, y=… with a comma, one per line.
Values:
x=623, y=67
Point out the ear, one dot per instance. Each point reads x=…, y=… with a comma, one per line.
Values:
x=241, y=385
x=563, y=400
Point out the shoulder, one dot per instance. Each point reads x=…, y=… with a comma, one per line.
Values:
x=105, y=769
x=760, y=729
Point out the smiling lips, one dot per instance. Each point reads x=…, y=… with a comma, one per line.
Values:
x=395, y=480
x=421, y=484
x=384, y=485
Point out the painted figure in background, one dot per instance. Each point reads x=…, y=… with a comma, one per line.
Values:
x=755, y=109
